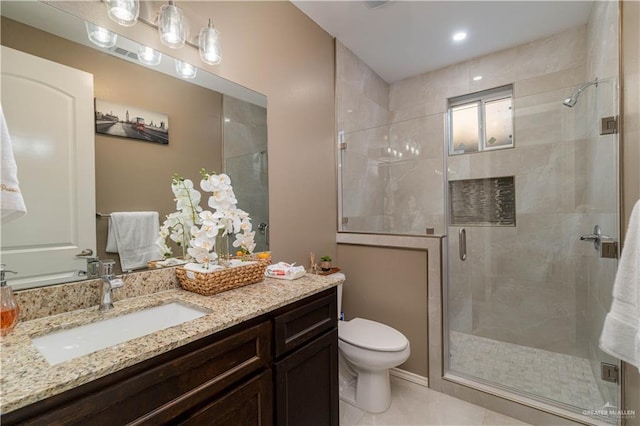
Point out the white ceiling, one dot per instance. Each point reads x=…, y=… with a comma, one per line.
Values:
x=406, y=38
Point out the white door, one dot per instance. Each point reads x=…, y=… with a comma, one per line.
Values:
x=49, y=112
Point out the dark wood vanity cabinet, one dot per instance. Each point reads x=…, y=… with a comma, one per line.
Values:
x=306, y=364
x=280, y=368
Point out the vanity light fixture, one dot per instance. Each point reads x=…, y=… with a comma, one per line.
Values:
x=124, y=12
x=171, y=26
x=149, y=56
x=459, y=36
x=210, y=45
x=185, y=70
x=101, y=36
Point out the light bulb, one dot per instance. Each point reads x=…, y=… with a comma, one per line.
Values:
x=210, y=45
x=149, y=56
x=124, y=12
x=185, y=70
x=101, y=36
x=171, y=26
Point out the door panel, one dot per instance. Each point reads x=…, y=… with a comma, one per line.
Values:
x=49, y=113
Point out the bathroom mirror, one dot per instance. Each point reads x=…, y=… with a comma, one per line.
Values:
x=213, y=124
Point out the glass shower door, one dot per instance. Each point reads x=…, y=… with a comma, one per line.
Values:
x=526, y=296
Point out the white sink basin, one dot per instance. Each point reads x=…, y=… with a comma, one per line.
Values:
x=63, y=345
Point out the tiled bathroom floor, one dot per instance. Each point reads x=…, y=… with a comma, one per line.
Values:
x=556, y=376
x=413, y=404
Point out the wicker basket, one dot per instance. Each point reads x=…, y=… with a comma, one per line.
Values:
x=223, y=280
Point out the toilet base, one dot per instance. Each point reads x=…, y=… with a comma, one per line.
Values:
x=367, y=390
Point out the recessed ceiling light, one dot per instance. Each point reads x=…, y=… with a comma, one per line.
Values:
x=477, y=78
x=459, y=36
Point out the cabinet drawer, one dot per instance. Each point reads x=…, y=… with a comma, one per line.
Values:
x=299, y=325
x=163, y=391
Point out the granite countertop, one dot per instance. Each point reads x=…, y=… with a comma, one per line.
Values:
x=27, y=377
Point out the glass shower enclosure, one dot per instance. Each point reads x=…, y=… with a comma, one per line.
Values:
x=532, y=234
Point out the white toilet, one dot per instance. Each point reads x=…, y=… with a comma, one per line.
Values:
x=366, y=351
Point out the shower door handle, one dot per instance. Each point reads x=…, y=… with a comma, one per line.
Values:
x=462, y=244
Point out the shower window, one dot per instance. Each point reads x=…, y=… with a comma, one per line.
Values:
x=481, y=121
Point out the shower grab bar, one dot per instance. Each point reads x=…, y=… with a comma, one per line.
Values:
x=462, y=237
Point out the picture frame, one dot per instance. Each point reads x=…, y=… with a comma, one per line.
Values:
x=126, y=121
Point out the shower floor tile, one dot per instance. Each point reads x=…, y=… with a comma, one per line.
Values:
x=558, y=377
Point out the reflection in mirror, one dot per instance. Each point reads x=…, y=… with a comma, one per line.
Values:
x=132, y=175
x=245, y=161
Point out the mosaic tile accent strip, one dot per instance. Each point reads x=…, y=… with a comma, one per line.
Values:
x=489, y=202
x=558, y=377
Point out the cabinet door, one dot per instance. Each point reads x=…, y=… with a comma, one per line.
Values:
x=246, y=405
x=307, y=384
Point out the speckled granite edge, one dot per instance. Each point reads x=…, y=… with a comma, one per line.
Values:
x=52, y=300
x=27, y=377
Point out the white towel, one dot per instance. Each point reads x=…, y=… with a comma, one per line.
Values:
x=621, y=331
x=11, y=201
x=133, y=236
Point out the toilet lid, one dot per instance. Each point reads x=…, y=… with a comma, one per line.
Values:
x=372, y=335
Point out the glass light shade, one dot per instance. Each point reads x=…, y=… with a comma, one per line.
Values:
x=210, y=45
x=101, y=36
x=186, y=70
x=149, y=56
x=171, y=26
x=124, y=12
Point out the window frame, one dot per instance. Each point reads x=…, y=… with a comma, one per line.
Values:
x=480, y=99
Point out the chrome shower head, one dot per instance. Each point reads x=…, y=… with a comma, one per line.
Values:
x=573, y=99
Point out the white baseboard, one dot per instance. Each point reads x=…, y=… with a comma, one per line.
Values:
x=410, y=377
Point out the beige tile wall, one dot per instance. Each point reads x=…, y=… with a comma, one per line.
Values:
x=245, y=152
x=362, y=113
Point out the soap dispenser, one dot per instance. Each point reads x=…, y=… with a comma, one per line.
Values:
x=9, y=311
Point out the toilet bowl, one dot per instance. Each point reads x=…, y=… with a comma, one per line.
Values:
x=367, y=350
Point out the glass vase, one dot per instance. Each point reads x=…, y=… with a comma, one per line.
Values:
x=9, y=310
x=222, y=248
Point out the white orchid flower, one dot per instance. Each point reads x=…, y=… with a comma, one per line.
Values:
x=202, y=255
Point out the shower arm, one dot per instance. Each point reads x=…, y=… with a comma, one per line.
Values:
x=584, y=86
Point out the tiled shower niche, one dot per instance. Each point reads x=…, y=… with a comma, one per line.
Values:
x=483, y=202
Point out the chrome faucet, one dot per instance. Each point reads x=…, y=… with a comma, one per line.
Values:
x=109, y=282
x=93, y=264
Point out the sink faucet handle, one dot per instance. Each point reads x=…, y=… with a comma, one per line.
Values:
x=107, y=267
x=85, y=253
